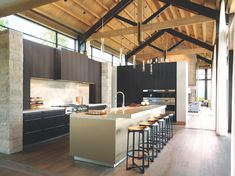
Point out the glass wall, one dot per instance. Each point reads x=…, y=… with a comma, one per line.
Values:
x=40, y=34
x=204, y=84
x=37, y=33
x=97, y=55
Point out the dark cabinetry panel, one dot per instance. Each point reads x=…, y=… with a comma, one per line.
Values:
x=46, y=62
x=74, y=66
x=133, y=81
x=40, y=59
x=39, y=126
x=94, y=73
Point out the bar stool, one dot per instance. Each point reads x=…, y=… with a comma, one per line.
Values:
x=151, y=138
x=171, y=116
x=155, y=129
x=167, y=127
x=141, y=130
x=162, y=130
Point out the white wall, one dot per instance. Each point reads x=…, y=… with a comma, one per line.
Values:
x=56, y=92
x=233, y=113
x=222, y=76
x=182, y=95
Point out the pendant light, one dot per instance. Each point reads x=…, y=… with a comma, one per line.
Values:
x=102, y=46
x=88, y=48
x=102, y=39
x=143, y=66
x=134, y=61
x=121, y=53
x=151, y=68
x=143, y=63
x=120, y=56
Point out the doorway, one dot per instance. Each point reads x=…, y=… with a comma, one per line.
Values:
x=200, y=115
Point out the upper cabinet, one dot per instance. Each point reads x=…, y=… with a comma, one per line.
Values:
x=71, y=66
x=94, y=71
x=39, y=59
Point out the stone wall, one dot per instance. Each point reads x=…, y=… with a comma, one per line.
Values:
x=109, y=84
x=11, y=91
x=192, y=70
x=55, y=92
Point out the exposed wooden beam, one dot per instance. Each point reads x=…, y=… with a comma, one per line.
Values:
x=156, y=48
x=126, y=20
x=8, y=7
x=195, y=8
x=204, y=59
x=106, y=18
x=145, y=43
x=72, y=13
x=78, y=2
x=174, y=53
x=197, y=19
x=190, y=39
x=175, y=45
x=156, y=14
x=204, y=31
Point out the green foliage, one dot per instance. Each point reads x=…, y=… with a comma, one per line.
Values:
x=3, y=23
x=51, y=36
x=201, y=99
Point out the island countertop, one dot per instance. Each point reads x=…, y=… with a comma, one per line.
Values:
x=126, y=112
x=102, y=139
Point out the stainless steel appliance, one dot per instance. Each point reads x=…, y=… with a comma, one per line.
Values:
x=70, y=108
x=161, y=97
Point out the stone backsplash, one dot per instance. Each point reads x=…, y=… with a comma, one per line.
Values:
x=57, y=92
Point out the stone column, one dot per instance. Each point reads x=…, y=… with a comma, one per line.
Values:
x=109, y=84
x=106, y=84
x=11, y=91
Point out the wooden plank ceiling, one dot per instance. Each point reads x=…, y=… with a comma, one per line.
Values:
x=77, y=16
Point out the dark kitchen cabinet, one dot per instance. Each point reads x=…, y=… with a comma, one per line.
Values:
x=94, y=75
x=43, y=125
x=72, y=66
x=133, y=81
x=40, y=59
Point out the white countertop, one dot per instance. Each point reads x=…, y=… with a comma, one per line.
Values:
x=127, y=112
x=42, y=109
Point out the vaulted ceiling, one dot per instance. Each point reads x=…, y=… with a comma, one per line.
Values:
x=77, y=17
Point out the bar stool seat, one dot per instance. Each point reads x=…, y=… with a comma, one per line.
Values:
x=136, y=128
x=141, y=130
x=153, y=119
x=146, y=124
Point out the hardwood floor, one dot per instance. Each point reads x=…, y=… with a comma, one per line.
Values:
x=190, y=153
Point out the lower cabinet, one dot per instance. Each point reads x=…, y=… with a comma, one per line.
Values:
x=43, y=125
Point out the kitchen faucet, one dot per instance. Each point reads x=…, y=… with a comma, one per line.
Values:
x=123, y=98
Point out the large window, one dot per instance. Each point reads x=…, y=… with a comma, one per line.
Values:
x=116, y=61
x=104, y=57
x=37, y=33
x=64, y=41
x=204, y=84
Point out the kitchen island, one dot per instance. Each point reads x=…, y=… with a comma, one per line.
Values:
x=102, y=139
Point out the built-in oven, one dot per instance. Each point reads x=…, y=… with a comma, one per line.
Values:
x=161, y=97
